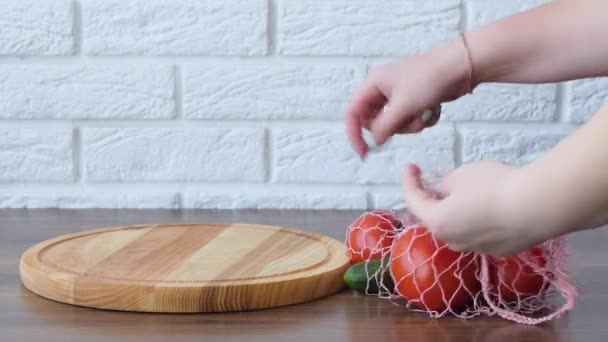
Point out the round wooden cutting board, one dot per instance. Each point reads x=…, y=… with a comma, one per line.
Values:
x=186, y=267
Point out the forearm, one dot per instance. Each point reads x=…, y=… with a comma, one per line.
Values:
x=559, y=41
x=567, y=189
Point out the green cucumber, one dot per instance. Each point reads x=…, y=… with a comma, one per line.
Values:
x=356, y=276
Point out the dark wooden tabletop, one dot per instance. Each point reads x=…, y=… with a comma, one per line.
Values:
x=342, y=317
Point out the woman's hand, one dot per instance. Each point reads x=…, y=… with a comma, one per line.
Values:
x=514, y=49
x=473, y=212
x=497, y=209
x=394, y=97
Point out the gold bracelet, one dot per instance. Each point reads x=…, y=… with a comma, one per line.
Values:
x=470, y=63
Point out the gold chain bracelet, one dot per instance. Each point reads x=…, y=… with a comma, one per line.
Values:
x=469, y=62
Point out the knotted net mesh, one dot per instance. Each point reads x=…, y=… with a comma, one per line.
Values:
x=414, y=269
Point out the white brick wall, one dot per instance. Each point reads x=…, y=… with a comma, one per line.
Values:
x=506, y=102
x=269, y=90
x=176, y=27
x=323, y=155
x=516, y=146
x=91, y=91
x=36, y=155
x=238, y=103
x=364, y=28
x=38, y=28
x=173, y=154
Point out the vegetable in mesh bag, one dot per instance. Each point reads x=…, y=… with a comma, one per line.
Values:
x=531, y=288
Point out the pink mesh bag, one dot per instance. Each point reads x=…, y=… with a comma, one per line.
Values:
x=421, y=273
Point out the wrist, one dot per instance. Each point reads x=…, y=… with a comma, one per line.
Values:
x=489, y=67
x=454, y=65
x=530, y=208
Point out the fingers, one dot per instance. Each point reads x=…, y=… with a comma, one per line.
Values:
x=369, y=110
x=421, y=121
x=456, y=247
x=364, y=105
x=418, y=201
x=353, y=130
x=390, y=120
x=430, y=210
x=415, y=125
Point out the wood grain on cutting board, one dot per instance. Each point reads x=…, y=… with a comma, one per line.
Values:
x=185, y=267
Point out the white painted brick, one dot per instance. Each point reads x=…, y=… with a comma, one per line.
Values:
x=389, y=200
x=365, y=28
x=34, y=27
x=269, y=90
x=317, y=160
x=514, y=146
x=166, y=154
x=588, y=96
x=101, y=91
x=177, y=27
x=34, y=155
x=484, y=11
x=325, y=156
x=269, y=199
x=505, y=102
x=90, y=199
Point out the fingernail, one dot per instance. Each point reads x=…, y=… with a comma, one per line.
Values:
x=427, y=115
x=413, y=168
x=372, y=144
x=363, y=153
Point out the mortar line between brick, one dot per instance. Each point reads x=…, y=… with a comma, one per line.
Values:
x=458, y=151
x=337, y=61
x=562, y=98
x=464, y=24
x=77, y=28
x=179, y=199
x=260, y=124
x=221, y=186
x=170, y=123
x=78, y=33
x=272, y=27
x=268, y=155
x=370, y=203
x=179, y=117
x=178, y=93
x=76, y=155
x=82, y=163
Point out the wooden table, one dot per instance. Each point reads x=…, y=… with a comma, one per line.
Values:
x=343, y=317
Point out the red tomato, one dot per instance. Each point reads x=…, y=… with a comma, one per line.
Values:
x=514, y=277
x=371, y=235
x=431, y=276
